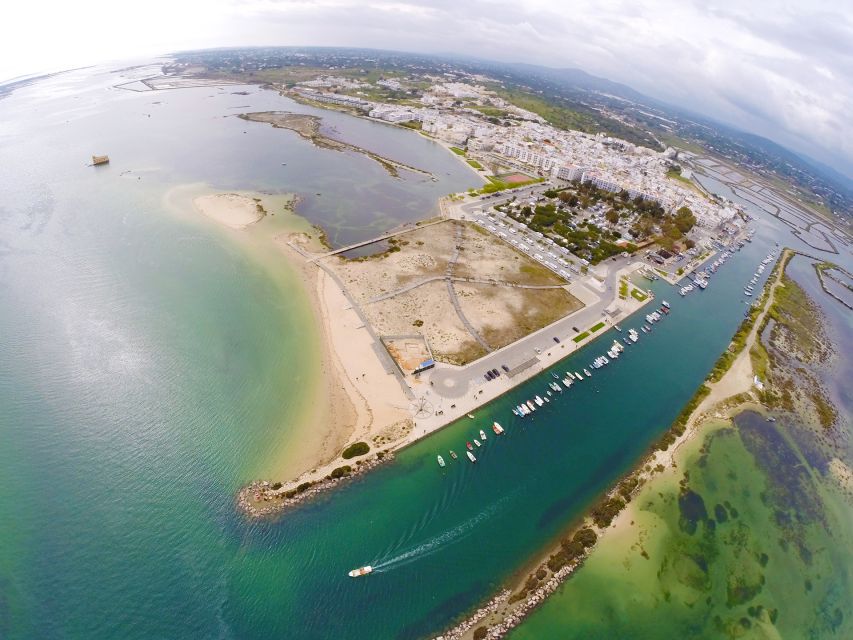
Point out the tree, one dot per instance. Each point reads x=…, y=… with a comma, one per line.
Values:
x=612, y=216
x=684, y=219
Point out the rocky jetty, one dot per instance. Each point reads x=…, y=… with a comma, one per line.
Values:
x=263, y=499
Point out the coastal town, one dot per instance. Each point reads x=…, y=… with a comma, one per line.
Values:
x=558, y=245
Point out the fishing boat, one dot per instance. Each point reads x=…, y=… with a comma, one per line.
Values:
x=469, y=445
x=482, y=435
x=471, y=457
x=498, y=429
x=363, y=571
x=453, y=454
x=440, y=461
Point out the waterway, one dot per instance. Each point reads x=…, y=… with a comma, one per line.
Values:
x=146, y=364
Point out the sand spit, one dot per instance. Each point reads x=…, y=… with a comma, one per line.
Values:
x=308, y=127
x=231, y=209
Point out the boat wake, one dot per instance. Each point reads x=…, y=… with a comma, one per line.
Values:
x=434, y=544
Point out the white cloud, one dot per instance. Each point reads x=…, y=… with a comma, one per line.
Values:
x=780, y=69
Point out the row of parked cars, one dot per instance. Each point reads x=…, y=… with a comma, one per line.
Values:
x=491, y=374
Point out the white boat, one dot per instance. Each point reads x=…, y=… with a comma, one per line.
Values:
x=440, y=461
x=482, y=435
x=578, y=376
x=363, y=571
x=546, y=398
x=539, y=402
x=471, y=456
x=665, y=303
x=587, y=373
x=477, y=442
x=571, y=375
x=567, y=382
x=531, y=406
x=498, y=429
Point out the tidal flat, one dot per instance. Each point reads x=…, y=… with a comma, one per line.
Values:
x=752, y=542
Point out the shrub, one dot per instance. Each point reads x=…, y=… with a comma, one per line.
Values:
x=302, y=488
x=585, y=537
x=275, y=486
x=340, y=472
x=355, y=449
x=480, y=633
x=605, y=511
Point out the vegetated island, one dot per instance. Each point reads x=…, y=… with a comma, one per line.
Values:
x=778, y=354
x=307, y=126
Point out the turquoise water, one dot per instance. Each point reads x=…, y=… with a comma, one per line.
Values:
x=146, y=364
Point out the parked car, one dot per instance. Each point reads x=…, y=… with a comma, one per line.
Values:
x=505, y=368
x=556, y=339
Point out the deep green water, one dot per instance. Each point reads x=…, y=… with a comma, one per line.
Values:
x=146, y=364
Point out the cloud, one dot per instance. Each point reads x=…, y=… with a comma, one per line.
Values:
x=779, y=69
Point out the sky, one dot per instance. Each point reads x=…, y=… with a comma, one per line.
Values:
x=781, y=69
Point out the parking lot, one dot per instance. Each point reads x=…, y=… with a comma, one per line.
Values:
x=544, y=250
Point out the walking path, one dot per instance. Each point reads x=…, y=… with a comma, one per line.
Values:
x=499, y=283
x=452, y=292
x=364, y=243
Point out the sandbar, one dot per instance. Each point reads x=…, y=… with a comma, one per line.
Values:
x=231, y=209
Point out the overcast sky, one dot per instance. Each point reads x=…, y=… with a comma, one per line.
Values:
x=780, y=69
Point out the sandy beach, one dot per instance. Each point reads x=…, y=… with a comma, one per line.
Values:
x=354, y=398
x=231, y=209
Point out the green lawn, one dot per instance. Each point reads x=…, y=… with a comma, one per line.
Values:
x=596, y=327
x=457, y=151
x=496, y=184
x=474, y=164
x=581, y=336
x=639, y=295
x=623, y=289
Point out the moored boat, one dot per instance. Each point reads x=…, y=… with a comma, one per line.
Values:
x=440, y=461
x=453, y=454
x=482, y=435
x=498, y=429
x=471, y=456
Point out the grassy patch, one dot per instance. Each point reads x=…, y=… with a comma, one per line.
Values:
x=581, y=336
x=474, y=164
x=457, y=151
x=355, y=449
x=496, y=184
x=540, y=309
x=623, y=289
x=596, y=327
x=639, y=295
